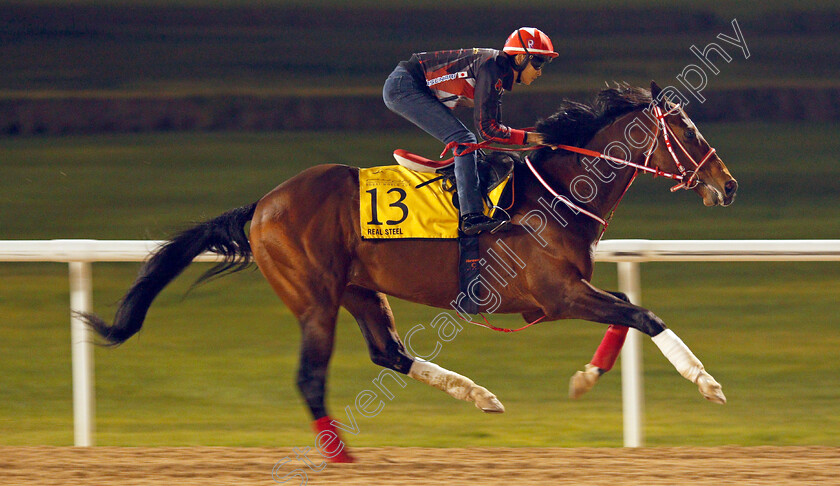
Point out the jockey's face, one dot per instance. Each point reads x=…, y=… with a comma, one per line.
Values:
x=529, y=74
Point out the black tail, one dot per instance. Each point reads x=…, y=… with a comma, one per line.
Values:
x=224, y=235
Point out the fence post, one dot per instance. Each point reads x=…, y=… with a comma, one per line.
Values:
x=633, y=399
x=82, y=350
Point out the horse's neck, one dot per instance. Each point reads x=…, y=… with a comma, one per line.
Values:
x=610, y=179
x=593, y=184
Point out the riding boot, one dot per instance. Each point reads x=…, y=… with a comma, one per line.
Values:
x=473, y=220
x=468, y=184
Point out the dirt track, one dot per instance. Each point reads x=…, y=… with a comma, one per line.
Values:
x=420, y=466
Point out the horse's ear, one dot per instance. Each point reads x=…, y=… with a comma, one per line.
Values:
x=655, y=92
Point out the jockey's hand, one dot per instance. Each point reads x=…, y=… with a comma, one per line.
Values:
x=534, y=138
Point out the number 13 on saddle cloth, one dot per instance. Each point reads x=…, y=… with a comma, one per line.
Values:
x=392, y=206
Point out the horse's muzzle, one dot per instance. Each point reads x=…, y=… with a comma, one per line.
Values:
x=716, y=195
x=729, y=191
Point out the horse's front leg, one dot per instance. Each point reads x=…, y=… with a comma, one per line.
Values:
x=584, y=301
x=603, y=359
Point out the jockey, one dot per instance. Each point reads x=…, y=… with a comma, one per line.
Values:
x=425, y=88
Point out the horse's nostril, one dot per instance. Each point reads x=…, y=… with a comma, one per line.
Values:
x=731, y=187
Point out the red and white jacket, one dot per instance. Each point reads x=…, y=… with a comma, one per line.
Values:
x=474, y=78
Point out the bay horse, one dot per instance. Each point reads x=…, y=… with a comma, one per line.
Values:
x=305, y=238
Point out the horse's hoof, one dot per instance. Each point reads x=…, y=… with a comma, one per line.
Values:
x=710, y=389
x=583, y=381
x=486, y=401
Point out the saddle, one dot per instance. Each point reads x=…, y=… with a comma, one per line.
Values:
x=493, y=169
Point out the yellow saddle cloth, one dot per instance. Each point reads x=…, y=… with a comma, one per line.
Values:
x=391, y=206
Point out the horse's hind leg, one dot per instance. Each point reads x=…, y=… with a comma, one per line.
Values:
x=376, y=322
x=316, y=347
x=587, y=302
x=314, y=298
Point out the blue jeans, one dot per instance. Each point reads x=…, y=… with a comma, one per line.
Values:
x=406, y=96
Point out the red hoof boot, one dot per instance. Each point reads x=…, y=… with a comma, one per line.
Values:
x=329, y=442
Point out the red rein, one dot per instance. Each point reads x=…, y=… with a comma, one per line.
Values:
x=687, y=178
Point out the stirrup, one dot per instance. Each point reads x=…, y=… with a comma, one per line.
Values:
x=473, y=224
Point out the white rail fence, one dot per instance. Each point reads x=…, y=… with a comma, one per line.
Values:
x=79, y=254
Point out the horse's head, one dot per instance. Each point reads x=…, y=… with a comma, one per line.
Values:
x=686, y=152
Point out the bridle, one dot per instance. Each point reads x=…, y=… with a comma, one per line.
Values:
x=688, y=177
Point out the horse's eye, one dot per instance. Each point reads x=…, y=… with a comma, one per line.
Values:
x=690, y=134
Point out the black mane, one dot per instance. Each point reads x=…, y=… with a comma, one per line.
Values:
x=576, y=123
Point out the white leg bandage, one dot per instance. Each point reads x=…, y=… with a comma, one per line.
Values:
x=452, y=383
x=456, y=385
x=679, y=355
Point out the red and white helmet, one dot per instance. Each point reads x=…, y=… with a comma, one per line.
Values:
x=530, y=41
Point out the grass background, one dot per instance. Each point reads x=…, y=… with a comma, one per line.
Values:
x=217, y=367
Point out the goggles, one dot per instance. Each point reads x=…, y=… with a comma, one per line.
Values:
x=538, y=61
